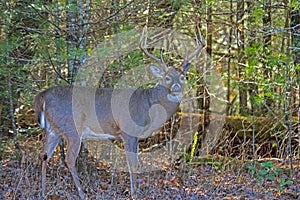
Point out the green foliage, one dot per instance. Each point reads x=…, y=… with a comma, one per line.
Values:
x=294, y=4
x=268, y=172
x=194, y=79
x=129, y=61
x=176, y=4
x=72, y=8
x=283, y=183
x=257, y=14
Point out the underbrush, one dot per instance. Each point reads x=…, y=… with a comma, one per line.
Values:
x=211, y=177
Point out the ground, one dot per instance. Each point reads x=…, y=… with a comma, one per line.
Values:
x=213, y=178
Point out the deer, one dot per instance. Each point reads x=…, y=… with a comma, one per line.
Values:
x=75, y=113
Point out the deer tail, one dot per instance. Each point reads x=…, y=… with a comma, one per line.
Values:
x=39, y=108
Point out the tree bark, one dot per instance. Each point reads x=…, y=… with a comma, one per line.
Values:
x=295, y=27
x=241, y=47
x=72, y=40
x=266, y=46
x=202, y=91
x=230, y=39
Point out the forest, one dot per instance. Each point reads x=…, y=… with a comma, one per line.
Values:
x=235, y=135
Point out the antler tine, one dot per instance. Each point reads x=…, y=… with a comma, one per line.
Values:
x=143, y=44
x=163, y=61
x=199, y=47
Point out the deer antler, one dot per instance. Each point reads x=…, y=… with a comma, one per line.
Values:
x=143, y=46
x=199, y=46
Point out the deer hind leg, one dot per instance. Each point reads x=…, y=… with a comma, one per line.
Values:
x=131, y=150
x=52, y=140
x=73, y=149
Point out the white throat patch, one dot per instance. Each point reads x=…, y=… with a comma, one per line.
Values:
x=175, y=98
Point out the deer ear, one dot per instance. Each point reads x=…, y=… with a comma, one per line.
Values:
x=156, y=71
x=186, y=68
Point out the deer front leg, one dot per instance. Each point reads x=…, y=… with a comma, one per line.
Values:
x=131, y=150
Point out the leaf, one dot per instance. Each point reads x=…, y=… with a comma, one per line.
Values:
x=283, y=182
x=270, y=177
x=268, y=164
x=263, y=172
x=251, y=168
x=276, y=171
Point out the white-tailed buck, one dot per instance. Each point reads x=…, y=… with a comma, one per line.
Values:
x=76, y=113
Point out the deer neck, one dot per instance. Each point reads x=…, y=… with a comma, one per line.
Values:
x=160, y=95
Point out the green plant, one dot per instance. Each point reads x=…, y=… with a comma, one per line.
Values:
x=283, y=182
x=268, y=172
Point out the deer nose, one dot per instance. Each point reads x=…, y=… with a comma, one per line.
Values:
x=176, y=88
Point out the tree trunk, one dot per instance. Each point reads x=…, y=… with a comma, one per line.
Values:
x=83, y=21
x=202, y=91
x=72, y=40
x=266, y=46
x=229, y=102
x=57, y=43
x=241, y=47
x=252, y=85
x=11, y=107
x=295, y=27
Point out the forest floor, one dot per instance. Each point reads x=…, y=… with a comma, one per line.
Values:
x=228, y=179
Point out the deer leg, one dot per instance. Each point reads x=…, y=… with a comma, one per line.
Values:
x=62, y=151
x=131, y=150
x=52, y=140
x=71, y=155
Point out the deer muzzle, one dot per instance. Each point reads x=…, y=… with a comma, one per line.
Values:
x=175, y=94
x=176, y=88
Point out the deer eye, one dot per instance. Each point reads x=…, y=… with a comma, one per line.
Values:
x=168, y=79
x=181, y=78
